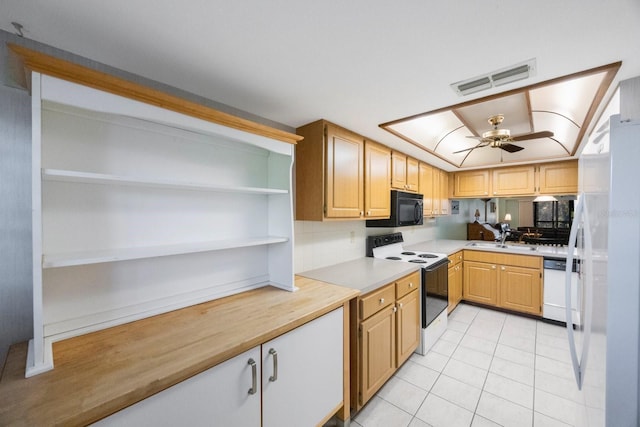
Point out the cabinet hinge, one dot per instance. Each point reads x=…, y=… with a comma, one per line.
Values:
x=360, y=397
x=360, y=331
x=324, y=209
x=541, y=274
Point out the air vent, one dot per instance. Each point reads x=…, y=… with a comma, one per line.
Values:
x=500, y=77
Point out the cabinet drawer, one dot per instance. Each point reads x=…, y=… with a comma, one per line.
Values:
x=377, y=300
x=407, y=284
x=455, y=259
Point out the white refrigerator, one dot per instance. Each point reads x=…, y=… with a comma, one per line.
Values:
x=606, y=234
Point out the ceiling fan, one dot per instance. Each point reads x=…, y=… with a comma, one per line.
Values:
x=501, y=138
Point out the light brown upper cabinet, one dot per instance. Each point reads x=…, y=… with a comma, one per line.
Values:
x=329, y=173
x=434, y=186
x=444, y=192
x=377, y=178
x=473, y=183
x=558, y=178
x=513, y=181
x=405, y=172
x=527, y=180
x=425, y=180
x=339, y=175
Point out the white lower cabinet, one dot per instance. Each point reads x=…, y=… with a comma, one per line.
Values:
x=298, y=382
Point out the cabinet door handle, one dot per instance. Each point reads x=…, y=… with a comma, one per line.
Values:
x=411, y=284
x=254, y=376
x=273, y=378
x=381, y=301
x=400, y=305
x=503, y=268
x=493, y=267
x=361, y=213
x=395, y=309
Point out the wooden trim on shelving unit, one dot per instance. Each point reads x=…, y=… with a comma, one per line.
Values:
x=32, y=60
x=345, y=411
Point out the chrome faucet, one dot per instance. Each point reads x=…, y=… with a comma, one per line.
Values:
x=506, y=231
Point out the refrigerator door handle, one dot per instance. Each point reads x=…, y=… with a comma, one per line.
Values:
x=572, y=244
x=579, y=366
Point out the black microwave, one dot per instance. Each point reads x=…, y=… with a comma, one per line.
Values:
x=406, y=209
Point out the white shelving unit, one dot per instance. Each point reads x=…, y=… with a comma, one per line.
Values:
x=139, y=210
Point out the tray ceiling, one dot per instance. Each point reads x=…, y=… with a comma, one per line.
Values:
x=564, y=106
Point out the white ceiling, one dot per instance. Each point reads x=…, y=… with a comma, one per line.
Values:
x=358, y=63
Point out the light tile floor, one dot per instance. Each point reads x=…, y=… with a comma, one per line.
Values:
x=488, y=369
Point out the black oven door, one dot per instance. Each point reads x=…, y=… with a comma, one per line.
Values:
x=435, y=291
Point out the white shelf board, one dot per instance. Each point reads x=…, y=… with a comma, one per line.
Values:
x=123, y=254
x=98, y=178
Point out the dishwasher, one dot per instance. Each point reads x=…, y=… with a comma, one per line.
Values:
x=554, y=307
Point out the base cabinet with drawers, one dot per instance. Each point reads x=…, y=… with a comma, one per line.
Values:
x=513, y=282
x=385, y=332
x=294, y=379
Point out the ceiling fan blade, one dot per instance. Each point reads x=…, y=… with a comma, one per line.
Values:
x=534, y=135
x=476, y=137
x=511, y=148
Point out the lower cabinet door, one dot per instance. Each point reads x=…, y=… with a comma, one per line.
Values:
x=378, y=351
x=408, y=325
x=521, y=289
x=302, y=373
x=480, y=282
x=218, y=396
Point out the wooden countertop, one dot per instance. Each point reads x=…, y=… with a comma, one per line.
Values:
x=100, y=373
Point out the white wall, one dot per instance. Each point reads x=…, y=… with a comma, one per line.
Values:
x=319, y=244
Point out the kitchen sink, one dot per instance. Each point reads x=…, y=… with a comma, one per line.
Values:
x=489, y=245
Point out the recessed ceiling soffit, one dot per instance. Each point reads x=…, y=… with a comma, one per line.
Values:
x=542, y=122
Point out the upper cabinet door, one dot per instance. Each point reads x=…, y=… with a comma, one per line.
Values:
x=405, y=172
x=444, y=192
x=399, y=171
x=514, y=181
x=412, y=175
x=471, y=183
x=344, y=173
x=377, y=169
x=558, y=178
x=426, y=188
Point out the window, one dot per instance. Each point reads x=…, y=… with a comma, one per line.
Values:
x=556, y=214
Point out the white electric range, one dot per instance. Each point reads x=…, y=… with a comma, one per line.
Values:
x=434, y=290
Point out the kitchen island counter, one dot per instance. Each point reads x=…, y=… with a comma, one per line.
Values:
x=100, y=373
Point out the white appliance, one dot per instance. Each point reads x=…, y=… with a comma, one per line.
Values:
x=433, y=290
x=554, y=306
x=606, y=231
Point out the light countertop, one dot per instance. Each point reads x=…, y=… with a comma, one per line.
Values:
x=364, y=274
x=450, y=246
